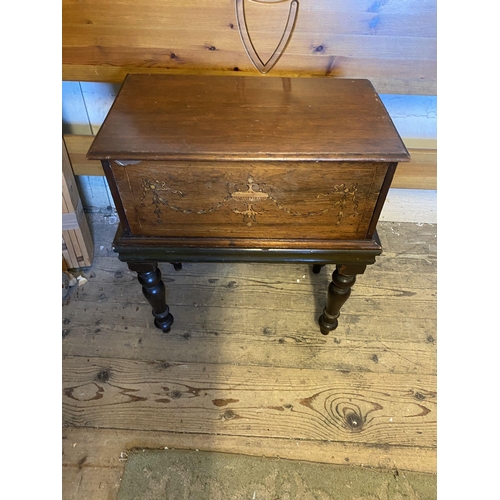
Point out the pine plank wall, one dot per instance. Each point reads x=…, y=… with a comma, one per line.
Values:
x=390, y=42
x=246, y=369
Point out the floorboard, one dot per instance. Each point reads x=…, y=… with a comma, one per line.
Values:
x=245, y=368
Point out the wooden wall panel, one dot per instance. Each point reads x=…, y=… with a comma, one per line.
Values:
x=391, y=42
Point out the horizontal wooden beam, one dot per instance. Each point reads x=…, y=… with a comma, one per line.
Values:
x=393, y=44
x=419, y=173
x=383, y=83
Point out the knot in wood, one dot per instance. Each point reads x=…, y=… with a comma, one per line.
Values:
x=176, y=394
x=229, y=415
x=354, y=421
x=103, y=375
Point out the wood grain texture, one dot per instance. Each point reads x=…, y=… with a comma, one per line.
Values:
x=419, y=173
x=231, y=158
x=375, y=409
x=393, y=44
x=107, y=449
x=70, y=195
x=80, y=481
x=209, y=118
x=277, y=307
x=77, y=147
x=316, y=200
x=77, y=244
x=93, y=459
x=245, y=348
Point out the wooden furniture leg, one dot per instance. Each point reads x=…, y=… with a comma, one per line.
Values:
x=343, y=278
x=199, y=197
x=154, y=290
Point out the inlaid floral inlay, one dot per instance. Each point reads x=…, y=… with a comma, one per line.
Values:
x=250, y=200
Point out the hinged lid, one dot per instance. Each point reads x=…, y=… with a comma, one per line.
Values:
x=188, y=117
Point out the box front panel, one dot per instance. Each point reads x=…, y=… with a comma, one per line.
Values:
x=258, y=200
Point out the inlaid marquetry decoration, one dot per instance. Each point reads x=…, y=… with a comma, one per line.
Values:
x=257, y=61
x=250, y=201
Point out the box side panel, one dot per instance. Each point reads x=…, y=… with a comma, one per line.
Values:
x=308, y=200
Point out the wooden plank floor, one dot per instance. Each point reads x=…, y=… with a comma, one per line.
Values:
x=245, y=368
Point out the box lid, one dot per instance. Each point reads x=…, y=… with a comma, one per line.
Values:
x=188, y=117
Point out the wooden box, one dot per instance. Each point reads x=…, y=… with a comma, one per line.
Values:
x=221, y=168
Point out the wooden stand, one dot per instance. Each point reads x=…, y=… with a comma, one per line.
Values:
x=235, y=169
x=143, y=255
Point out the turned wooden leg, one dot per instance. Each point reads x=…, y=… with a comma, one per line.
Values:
x=339, y=290
x=317, y=268
x=154, y=290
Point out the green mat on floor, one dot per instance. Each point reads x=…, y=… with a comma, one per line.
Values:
x=197, y=475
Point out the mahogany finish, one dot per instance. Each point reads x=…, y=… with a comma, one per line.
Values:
x=176, y=117
x=222, y=168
